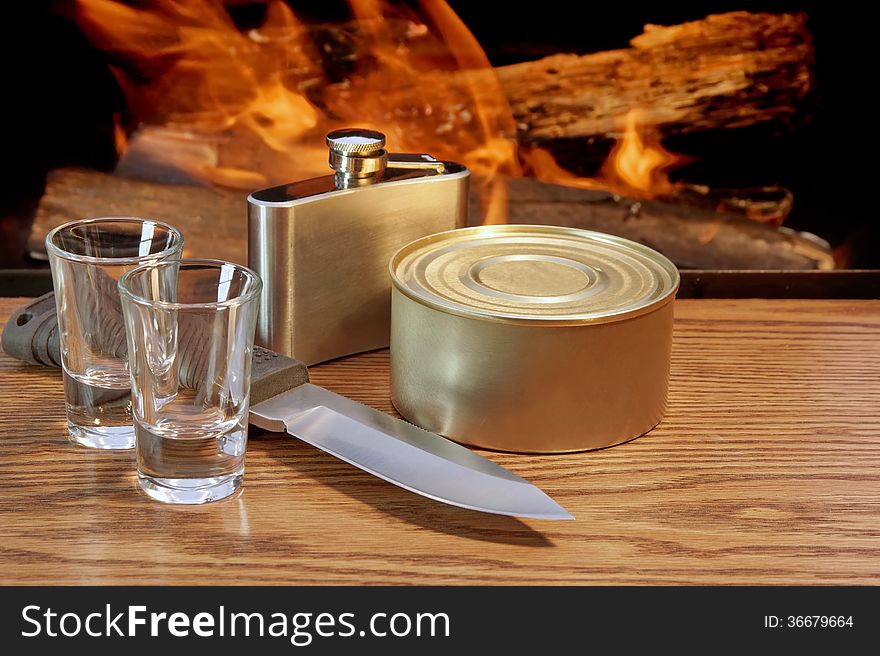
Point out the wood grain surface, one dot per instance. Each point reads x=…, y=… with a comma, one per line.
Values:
x=766, y=470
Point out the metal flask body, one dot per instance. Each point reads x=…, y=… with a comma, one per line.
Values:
x=531, y=339
x=322, y=245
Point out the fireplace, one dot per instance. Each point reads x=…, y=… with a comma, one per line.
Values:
x=714, y=133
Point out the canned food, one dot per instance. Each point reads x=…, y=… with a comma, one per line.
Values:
x=534, y=339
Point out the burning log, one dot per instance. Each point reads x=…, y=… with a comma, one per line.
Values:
x=214, y=222
x=725, y=71
x=250, y=106
x=691, y=236
x=227, y=108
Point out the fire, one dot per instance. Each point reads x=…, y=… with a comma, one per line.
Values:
x=639, y=161
x=638, y=165
x=120, y=138
x=183, y=65
x=249, y=108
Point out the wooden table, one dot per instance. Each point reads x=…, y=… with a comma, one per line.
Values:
x=766, y=470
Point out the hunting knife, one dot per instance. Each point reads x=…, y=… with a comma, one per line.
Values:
x=282, y=400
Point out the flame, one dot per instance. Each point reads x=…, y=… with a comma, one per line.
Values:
x=260, y=101
x=245, y=109
x=639, y=162
x=120, y=138
x=638, y=165
x=184, y=65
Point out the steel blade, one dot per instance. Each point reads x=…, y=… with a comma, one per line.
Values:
x=401, y=453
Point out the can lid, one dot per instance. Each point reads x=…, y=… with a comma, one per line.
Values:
x=541, y=274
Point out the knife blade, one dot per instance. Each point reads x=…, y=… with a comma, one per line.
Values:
x=282, y=400
x=401, y=453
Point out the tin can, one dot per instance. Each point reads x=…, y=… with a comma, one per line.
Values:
x=532, y=339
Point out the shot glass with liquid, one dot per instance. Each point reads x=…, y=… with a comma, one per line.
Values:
x=87, y=258
x=190, y=327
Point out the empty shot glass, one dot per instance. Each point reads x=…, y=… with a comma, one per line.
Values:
x=190, y=327
x=87, y=258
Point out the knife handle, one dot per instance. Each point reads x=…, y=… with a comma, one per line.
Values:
x=273, y=373
x=31, y=334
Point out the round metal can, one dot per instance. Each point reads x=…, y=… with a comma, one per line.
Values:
x=533, y=339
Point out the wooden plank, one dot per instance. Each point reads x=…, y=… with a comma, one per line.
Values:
x=766, y=470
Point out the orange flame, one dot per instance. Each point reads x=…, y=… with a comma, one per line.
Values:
x=184, y=65
x=639, y=162
x=637, y=165
x=249, y=108
x=120, y=138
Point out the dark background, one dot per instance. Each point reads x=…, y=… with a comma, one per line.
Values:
x=59, y=99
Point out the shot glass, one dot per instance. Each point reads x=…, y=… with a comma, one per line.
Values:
x=190, y=327
x=87, y=259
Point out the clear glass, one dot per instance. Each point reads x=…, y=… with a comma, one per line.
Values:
x=190, y=328
x=87, y=259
